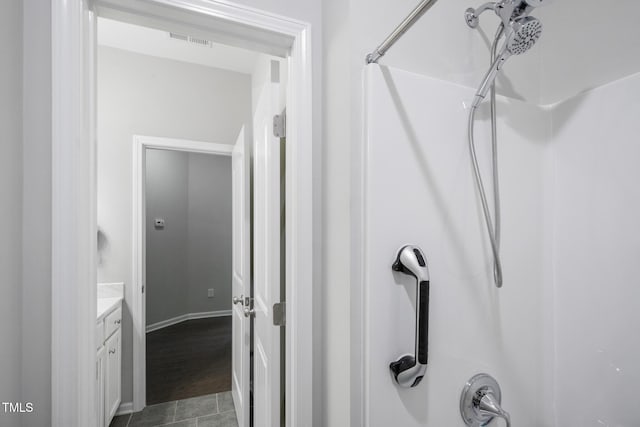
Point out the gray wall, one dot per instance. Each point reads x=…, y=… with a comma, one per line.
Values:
x=10, y=203
x=36, y=212
x=144, y=95
x=210, y=226
x=192, y=253
x=166, y=197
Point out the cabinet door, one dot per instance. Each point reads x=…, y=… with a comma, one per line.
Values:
x=112, y=377
x=100, y=370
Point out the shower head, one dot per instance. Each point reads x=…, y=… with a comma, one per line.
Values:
x=525, y=32
x=521, y=34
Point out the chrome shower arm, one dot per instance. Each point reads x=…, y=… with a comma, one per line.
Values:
x=404, y=26
x=487, y=6
x=506, y=10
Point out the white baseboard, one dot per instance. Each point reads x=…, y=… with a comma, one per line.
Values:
x=184, y=317
x=124, y=408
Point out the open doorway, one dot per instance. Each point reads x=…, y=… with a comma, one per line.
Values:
x=188, y=276
x=190, y=228
x=75, y=364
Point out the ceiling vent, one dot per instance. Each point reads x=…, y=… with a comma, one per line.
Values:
x=190, y=39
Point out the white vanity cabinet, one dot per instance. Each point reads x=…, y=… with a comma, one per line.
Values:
x=108, y=364
x=100, y=365
x=112, y=376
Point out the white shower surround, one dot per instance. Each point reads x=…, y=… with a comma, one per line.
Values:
x=530, y=335
x=596, y=213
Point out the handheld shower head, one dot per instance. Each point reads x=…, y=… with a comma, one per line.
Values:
x=521, y=35
x=525, y=32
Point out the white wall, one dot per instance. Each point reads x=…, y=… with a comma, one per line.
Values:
x=441, y=46
x=419, y=190
x=340, y=136
x=145, y=95
x=571, y=201
x=596, y=250
x=583, y=45
x=10, y=204
x=587, y=43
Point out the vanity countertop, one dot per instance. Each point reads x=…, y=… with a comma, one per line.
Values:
x=109, y=295
x=105, y=305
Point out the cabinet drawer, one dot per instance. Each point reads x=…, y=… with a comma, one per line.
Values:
x=99, y=334
x=112, y=322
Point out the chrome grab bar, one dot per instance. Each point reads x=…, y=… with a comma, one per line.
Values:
x=409, y=370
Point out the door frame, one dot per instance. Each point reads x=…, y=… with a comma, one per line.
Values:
x=138, y=271
x=74, y=228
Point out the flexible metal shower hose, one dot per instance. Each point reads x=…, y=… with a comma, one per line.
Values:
x=492, y=228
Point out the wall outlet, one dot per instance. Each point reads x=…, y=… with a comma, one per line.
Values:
x=210, y=293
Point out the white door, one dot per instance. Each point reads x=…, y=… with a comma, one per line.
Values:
x=240, y=280
x=266, y=243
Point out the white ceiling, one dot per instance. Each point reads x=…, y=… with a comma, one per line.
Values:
x=149, y=41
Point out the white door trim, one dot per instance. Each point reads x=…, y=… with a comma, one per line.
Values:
x=182, y=145
x=74, y=193
x=138, y=279
x=73, y=215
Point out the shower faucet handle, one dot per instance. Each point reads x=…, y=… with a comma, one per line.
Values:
x=480, y=401
x=409, y=369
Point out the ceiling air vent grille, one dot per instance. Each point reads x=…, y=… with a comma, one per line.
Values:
x=201, y=42
x=179, y=37
x=190, y=39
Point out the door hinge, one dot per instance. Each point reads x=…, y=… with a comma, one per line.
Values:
x=280, y=314
x=280, y=125
x=143, y=289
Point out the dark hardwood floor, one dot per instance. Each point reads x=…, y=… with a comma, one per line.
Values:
x=190, y=359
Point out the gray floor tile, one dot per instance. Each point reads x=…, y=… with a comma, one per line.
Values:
x=224, y=419
x=225, y=402
x=193, y=422
x=196, y=407
x=154, y=415
x=120, y=421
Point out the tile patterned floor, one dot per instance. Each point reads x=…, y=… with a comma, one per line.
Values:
x=211, y=410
